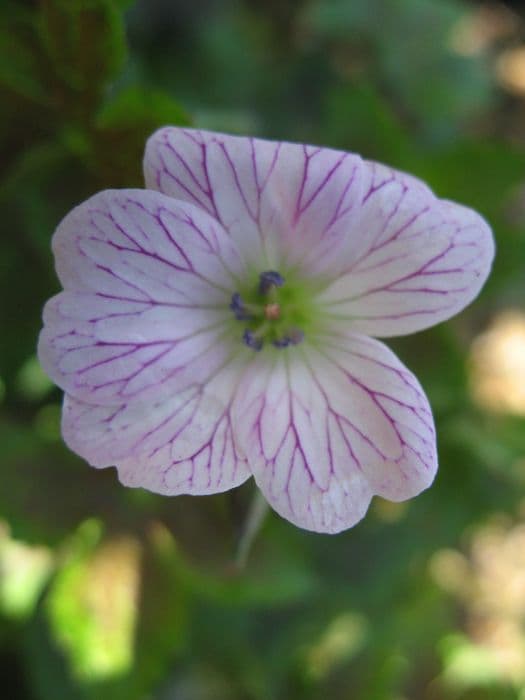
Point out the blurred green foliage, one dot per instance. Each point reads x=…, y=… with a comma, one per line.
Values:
x=111, y=593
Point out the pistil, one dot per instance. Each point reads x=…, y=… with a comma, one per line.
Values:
x=268, y=320
x=272, y=311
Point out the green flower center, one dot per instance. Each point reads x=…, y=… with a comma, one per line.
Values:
x=274, y=312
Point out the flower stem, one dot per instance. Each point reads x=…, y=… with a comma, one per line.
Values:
x=254, y=520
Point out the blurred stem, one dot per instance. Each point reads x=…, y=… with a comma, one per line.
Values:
x=252, y=525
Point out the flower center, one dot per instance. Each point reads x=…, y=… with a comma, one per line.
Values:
x=270, y=312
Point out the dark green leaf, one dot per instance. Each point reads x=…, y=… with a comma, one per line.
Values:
x=122, y=127
x=85, y=42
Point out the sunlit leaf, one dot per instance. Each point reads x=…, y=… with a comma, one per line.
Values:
x=93, y=604
x=24, y=570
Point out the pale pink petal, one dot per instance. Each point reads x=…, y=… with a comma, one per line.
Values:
x=416, y=260
x=148, y=281
x=179, y=445
x=283, y=204
x=326, y=429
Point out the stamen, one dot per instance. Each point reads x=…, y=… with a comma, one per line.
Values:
x=238, y=308
x=281, y=342
x=293, y=337
x=269, y=279
x=296, y=336
x=252, y=340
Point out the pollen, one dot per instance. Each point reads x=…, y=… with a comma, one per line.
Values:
x=272, y=312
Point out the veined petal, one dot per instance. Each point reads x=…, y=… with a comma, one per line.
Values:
x=288, y=204
x=417, y=260
x=323, y=432
x=180, y=445
x=148, y=282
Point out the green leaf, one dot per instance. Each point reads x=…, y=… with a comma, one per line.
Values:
x=31, y=169
x=117, y=610
x=63, y=490
x=275, y=580
x=477, y=173
x=122, y=127
x=137, y=106
x=92, y=604
x=357, y=118
x=85, y=42
x=19, y=70
x=162, y=619
x=123, y=4
x=24, y=571
x=405, y=46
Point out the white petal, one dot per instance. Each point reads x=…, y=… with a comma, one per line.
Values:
x=282, y=203
x=176, y=446
x=416, y=260
x=324, y=431
x=148, y=282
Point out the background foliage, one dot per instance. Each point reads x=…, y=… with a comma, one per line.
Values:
x=110, y=593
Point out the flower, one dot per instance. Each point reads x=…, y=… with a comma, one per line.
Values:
x=221, y=324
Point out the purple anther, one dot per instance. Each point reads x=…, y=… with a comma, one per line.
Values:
x=269, y=279
x=282, y=342
x=252, y=341
x=238, y=308
x=295, y=336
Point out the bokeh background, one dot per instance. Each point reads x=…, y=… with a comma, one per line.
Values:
x=111, y=593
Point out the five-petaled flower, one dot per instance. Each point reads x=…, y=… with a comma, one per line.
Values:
x=221, y=323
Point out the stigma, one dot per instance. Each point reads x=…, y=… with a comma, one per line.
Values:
x=272, y=312
x=267, y=320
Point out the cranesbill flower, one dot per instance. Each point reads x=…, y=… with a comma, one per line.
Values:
x=222, y=323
